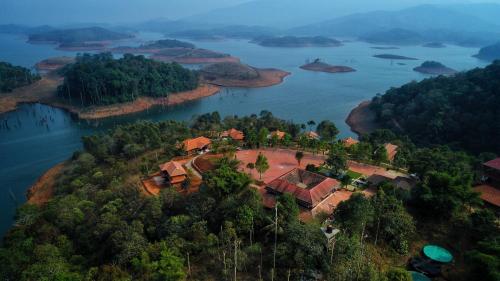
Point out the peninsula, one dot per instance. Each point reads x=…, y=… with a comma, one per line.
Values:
x=489, y=53
x=232, y=74
x=434, y=68
x=320, y=66
x=297, y=42
x=393, y=57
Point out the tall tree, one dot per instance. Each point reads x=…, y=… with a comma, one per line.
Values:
x=261, y=164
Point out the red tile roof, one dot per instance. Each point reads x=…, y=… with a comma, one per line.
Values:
x=305, y=186
x=173, y=169
x=494, y=164
x=278, y=133
x=489, y=194
x=312, y=135
x=234, y=134
x=348, y=142
x=196, y=143
x=392, y=150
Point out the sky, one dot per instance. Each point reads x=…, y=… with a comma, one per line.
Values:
x=53, y=12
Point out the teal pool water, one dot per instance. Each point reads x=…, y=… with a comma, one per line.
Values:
x=416, y=276
x=437, y=253
x=38, y=136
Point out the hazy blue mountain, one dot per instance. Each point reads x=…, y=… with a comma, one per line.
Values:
x=489, y=53
x=23, y=29
x=232, y=31
x=77, y=35
x=420, y=24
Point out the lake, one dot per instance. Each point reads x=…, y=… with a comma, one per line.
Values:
x=38, y=136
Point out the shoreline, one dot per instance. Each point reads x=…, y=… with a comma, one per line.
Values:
x=267, y=77
x=361, y=119
x=194, y=60
x=43, y=189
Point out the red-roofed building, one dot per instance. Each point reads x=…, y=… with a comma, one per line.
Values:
x=392, y=150
x=199, y=144
x=234, y=134
x=279, y=134
x=492, y=171
x=173, y=172
x=308, y=188
x=348, y=142
x=489, y=194
x=312, y=135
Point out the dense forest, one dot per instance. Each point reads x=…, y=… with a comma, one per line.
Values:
x=12, y=77
x=490, y=53
x=460, y=111
x=77, y=35
x=101, y=226
x=100, y=79
x=168, y=43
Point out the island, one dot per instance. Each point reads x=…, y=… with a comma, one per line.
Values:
x=434, y=68
x=80, y=39
x=13, y=77
x=232, y=74
x=318, y=65
x=436, y=45
x=393, y=57
x=297, y=42
x=171, y=50
x=489, y=53
x=99, y=86
x=385, y=48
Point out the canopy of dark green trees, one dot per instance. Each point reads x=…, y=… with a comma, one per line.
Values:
x=12, y=77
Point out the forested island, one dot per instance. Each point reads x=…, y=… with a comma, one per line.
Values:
x=434, y=68
x=318, y=65
x=78, y=38
x=98, y=222
x=232, y=74
x=460, y=111
x=489, y=53
x=171, y=50
x=437, y=45
x=297, y=42
x=393, y=57
x=12, y=77
x=102, y=80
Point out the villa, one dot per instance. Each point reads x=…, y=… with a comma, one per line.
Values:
x=309, y=189
x=278, y=133
x=490, y=190
x=196, y=145
x=348, y=142
x=173, y=172
x=233, y=134
x=312, y=135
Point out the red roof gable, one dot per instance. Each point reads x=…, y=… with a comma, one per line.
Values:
x=305, y=186
x=494, y=164
x=489, y=194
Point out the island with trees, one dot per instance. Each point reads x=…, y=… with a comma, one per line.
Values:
x=435, y=45
x=434, y=68
x=297, y=42
x=171, y=50
x=99, y=86
x=489, y=53
x=80, y=39
x=393, y=57
x=99, y=222
x=318, y=65
x=232, y=74
x=12, y=77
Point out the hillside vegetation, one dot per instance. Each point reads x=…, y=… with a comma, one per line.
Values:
x=101, y=80
x=461, y=111
x=77, y=35
x=12, y=77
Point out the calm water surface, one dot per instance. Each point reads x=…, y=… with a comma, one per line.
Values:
x=39, y=136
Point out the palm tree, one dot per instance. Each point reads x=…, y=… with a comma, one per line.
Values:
x=261, y=164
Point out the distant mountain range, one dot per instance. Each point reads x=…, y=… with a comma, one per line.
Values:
x=77, y=35
x=413, y=25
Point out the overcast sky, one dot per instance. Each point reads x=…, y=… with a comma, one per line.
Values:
x=119, y=11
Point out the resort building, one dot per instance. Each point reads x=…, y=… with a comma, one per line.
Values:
x=308, y=188
x=392, y=150
x=173, y=172
x=348, y=142
x=490, y=190
x=399, y=182
x=196, y=145
x=278, y=133
x=233, y=134
x=312, y=135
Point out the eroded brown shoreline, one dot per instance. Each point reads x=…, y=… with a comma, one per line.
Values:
x=361, y=119
x=43, y=189
x=267, y=77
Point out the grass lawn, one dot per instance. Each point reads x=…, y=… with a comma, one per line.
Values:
x=353, y=174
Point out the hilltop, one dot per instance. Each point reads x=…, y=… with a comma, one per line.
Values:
x=489, y=53
x=434, y=68
x=320, y=66
x=88, y=34
x=233, y=74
